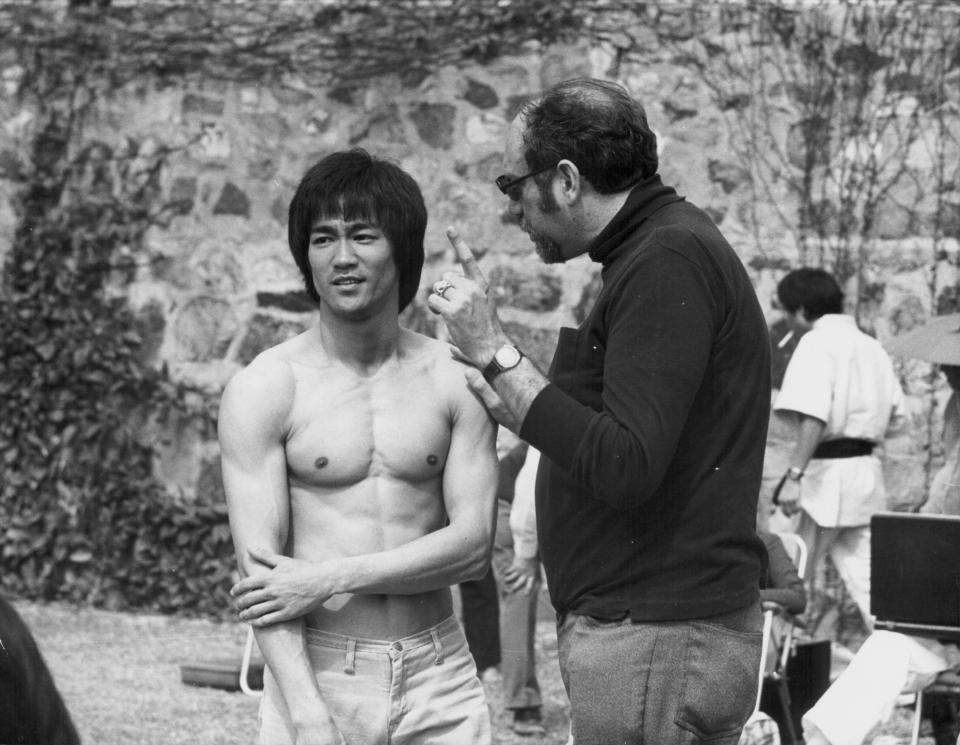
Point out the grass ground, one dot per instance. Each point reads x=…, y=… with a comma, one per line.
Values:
x=119, y=674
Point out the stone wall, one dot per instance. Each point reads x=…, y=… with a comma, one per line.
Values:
x=217, y=284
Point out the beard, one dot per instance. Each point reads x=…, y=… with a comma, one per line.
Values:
x=546, y=248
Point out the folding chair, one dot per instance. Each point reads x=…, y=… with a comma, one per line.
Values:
x=245, y=667
x=783, y=646
x=946, y=684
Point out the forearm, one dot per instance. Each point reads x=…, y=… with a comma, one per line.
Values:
x=793, y=600
x=284, y=650
x=439, y=559
x=517, y=389
x=809, y=434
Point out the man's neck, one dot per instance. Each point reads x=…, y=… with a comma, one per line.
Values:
x=360, y=344
x=598, y=210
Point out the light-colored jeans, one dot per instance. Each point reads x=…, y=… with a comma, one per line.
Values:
x=670, y=683
x=411, y=691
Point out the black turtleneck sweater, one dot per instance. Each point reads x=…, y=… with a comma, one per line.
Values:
x=653, y=425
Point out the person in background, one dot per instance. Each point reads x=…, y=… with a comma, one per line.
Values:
x=480, y=616
x=890, y=663
x=649, y=428
x=782, y=587
x=516, y=568
x=841, y=396
x=32, y=711
x=782, y=591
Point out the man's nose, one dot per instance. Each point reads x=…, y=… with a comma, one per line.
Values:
x=345, y=255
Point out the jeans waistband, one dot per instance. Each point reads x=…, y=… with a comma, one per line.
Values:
x=843, y=447
x=394, y=649
x=419, y=639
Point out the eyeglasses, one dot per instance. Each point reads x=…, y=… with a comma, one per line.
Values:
x=510, y=187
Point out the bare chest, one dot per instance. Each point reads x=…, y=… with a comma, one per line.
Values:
x=345, y=429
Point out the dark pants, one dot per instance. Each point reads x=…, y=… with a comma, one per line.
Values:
x=481, y=620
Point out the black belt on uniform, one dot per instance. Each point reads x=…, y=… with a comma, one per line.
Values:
x=843, y=447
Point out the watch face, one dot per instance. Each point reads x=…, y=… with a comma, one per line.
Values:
x=507, y=357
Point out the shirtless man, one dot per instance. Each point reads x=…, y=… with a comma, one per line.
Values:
x=360, y=474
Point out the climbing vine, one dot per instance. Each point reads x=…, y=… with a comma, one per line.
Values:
x=82, y=516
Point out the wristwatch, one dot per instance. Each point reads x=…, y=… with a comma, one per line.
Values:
x=794, y=473
x=506, y=358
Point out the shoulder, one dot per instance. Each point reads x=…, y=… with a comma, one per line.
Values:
x=436, y=360
x=264, y=388
x=430, y=356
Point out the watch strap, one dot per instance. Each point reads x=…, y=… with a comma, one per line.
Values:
x=494, y=368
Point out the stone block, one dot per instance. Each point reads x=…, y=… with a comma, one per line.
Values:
x=514, y=104
x=294, y=302
x=264, y=332
x=563, y=63
x=893, y=221
x=434, y=124
x=537, y=290
x=729, y=175
x=215, y=270
x=183, y=192
x=194, y=103
x=232, y=201
x=209, y=488
x=808, y=138
x=10, y=166
x=481, y=95
x=150, y=324
x=203, y=329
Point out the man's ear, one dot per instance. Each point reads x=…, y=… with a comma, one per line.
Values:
x=571, y=182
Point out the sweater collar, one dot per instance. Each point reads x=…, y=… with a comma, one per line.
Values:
x=644, y=199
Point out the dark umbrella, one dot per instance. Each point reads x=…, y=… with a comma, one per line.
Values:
x=937, y=341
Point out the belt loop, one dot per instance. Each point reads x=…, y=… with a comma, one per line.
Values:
x=348, y=666
x=437, y=648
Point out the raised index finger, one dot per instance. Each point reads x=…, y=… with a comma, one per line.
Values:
x=464, y=255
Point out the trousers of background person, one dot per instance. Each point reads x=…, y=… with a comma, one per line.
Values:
x=518, y=623
x=481, y=620
x=864, y=695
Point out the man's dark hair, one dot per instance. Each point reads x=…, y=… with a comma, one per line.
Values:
x=596, y=125
x=354, y=185
x=814, y=290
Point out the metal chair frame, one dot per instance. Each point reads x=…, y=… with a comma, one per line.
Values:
x=797, y=551
x=245, y=666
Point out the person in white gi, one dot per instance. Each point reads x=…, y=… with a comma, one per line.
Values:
x=890, y=663
x=841, y=395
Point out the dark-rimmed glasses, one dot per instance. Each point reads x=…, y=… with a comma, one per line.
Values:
x=510, y=187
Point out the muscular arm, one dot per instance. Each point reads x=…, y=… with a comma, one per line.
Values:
x=251, y=425
x=458, y=551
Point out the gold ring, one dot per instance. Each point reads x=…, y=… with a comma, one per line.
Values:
x=441, y=287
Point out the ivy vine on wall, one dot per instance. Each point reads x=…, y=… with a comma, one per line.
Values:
x=82, y=516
